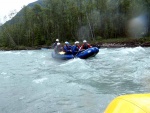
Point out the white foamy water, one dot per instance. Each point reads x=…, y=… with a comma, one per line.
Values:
x=40, y=80
x=34, y=82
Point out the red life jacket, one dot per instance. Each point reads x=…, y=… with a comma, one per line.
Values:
x=85, y=46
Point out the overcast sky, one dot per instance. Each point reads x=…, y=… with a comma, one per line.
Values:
x=8, y=6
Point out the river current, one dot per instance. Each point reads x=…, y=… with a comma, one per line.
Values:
x=31, y=81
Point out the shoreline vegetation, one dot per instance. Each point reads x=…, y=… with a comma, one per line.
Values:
x=107, y=43
x=103, y=23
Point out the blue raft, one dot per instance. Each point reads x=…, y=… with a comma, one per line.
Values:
x=91, y=52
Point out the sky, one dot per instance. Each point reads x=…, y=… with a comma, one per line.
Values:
x=8, y=6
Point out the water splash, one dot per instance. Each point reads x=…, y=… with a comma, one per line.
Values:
x=41, y=80
x=3, y=73
x=132, y=50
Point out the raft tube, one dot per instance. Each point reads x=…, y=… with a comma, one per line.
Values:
x=133, y=103
x=90, y=52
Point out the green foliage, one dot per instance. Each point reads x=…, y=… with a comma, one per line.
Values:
x=71, y=20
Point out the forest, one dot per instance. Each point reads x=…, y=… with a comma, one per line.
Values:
x=71, y=20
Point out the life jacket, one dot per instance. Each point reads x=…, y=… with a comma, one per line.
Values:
x=76, y=48
x=67, y=48
x=58, y=49
x=85, y=46
x=54, y=45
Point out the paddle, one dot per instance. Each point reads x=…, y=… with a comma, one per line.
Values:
x=79, y=52
x=62, y=53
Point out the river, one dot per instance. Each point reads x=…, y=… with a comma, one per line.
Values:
x=31, y=81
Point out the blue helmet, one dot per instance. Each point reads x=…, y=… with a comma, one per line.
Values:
x=67, y=43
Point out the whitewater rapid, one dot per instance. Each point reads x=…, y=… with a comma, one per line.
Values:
x=31, y=81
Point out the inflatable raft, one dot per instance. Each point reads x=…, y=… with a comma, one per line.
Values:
x=91, y=52
x=133, y=103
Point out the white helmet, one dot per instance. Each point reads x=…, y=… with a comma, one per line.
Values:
x=84, y=41
x=58, y=43
x=77, y=42
x=57, y=39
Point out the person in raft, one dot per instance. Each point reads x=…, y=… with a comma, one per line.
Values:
x=67, y=48
x=75, y=48
x=55, y=44
x=58, y=48
x=85, y=45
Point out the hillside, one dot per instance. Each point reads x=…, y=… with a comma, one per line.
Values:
x=41, y=22
x=18, y=17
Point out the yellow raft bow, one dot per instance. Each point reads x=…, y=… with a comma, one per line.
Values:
x=133, y=103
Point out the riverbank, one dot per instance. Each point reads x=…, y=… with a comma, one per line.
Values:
x=118, y=45
x=107, y=43
x=123, y=42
